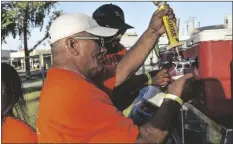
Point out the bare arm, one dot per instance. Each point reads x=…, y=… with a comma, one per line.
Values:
x=135, y=57
x=139, y=52
x=124, y=94
x=156, y=130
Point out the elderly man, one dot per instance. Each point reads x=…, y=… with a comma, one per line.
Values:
x=73, y=109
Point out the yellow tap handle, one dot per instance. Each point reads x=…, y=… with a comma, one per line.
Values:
x=170, y=26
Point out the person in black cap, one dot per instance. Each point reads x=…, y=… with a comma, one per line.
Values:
x=109, y=15
x=112, y=16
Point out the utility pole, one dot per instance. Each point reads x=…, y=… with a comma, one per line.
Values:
x=194, y=20
x=187, y=26
x=178, y=25
x=190, y=24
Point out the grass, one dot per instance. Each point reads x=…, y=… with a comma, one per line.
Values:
x=32, y=95
x=32, y=100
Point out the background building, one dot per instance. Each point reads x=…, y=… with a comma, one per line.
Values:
x=5, y=56
x=38, y=59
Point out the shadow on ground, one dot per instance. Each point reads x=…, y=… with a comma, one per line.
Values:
x=32, y=89
x=31, y=80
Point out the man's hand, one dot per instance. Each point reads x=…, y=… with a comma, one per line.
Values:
x=161, y=78
x=156, y=130
x=176, y=87
x=138, y=53
x=156, y=22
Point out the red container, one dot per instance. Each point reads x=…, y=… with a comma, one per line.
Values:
x=214, y=51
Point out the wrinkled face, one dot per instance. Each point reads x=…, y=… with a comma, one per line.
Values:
x=91, y=52
x=112, y=42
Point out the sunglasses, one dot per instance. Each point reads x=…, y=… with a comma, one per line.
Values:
x=119, y=35
x=98, y=40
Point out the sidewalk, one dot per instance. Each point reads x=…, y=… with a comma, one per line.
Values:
x=34, y=74
x=34, y=84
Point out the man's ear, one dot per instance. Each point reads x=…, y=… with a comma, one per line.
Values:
x=72, y=46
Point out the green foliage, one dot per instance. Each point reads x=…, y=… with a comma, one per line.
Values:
x=14, y=15
x=20, y=17
x=52, y=17
x=7, y=14
x=7, y=19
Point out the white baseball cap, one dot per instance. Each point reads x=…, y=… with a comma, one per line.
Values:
x=72, y=23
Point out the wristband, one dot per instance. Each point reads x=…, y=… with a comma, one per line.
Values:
x=149, y=82
x=175, y=98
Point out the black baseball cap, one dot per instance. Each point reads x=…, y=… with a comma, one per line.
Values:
x=109, y=15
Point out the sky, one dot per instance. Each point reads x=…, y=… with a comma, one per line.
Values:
x=138, y=14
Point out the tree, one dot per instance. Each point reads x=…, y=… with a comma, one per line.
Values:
x=19, y=18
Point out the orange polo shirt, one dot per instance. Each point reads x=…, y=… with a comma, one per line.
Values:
x=74, y=110
x=17, y=131
x=111, y=61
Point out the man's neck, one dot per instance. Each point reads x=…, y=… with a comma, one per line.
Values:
x=70, y=67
